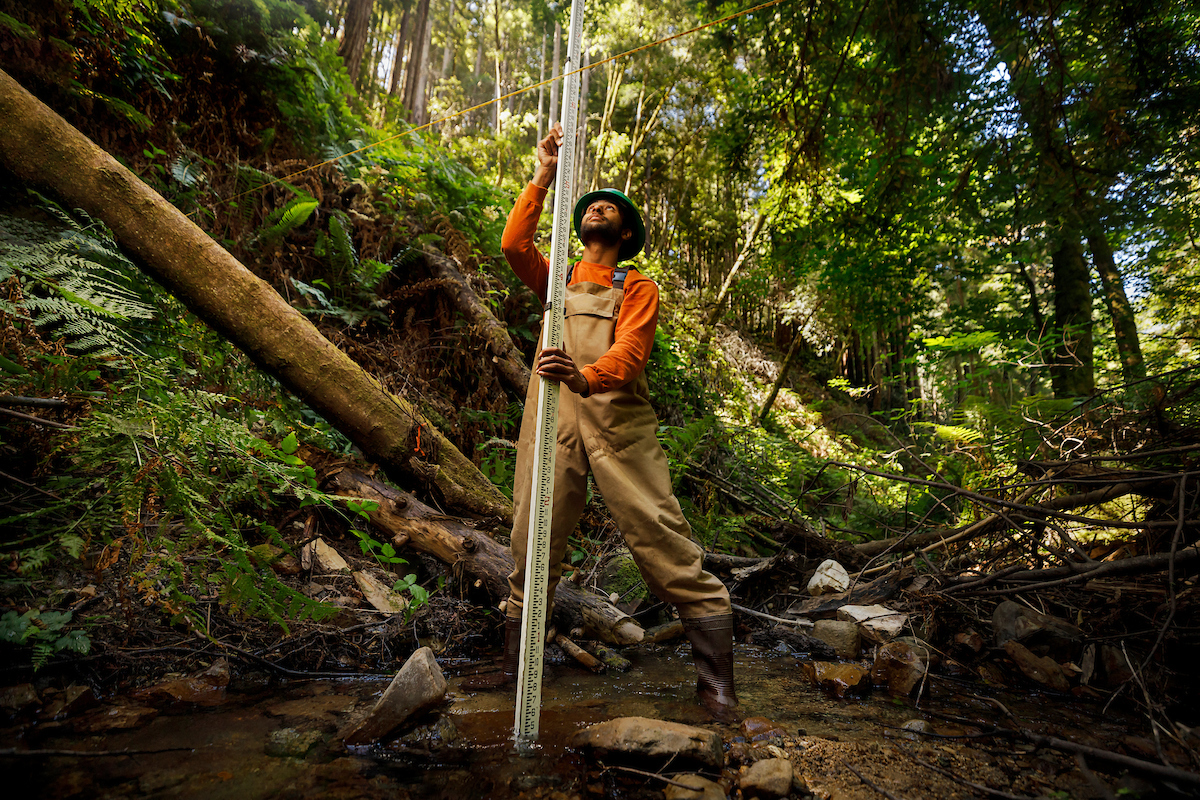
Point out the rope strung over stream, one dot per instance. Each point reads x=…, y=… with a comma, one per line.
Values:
x=523, y=90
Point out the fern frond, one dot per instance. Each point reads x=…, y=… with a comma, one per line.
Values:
x=281, y=221
x=342, y=256
x=75, y=282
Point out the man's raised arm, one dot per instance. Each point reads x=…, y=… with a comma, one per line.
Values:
x=517, y=242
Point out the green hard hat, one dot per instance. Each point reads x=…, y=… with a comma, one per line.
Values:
x=629, y=214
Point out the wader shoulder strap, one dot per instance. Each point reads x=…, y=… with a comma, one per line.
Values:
x=618, y=276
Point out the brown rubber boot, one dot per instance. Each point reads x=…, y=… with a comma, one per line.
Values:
x=507, y=676
x=712, y=650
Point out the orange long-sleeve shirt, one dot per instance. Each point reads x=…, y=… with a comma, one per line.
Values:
x=637, y=320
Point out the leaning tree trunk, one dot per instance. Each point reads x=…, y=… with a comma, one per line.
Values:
x=411, y=523
x=714, y=316
x=1129, y=347
x=40, y=148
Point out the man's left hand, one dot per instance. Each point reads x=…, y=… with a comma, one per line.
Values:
x=555, y=365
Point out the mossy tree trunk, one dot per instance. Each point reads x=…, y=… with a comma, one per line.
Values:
x=43, y=150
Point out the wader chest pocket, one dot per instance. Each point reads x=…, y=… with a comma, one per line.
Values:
x=589, y=305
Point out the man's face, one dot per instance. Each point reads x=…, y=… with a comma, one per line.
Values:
x=602, y=220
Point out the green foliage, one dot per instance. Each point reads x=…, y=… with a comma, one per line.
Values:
x=74, y=283
x=44, y=632
x=498, y=460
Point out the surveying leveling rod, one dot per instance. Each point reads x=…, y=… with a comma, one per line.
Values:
x=537, y=556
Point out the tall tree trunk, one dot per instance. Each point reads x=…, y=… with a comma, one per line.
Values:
x=497, y=92
x=557, y=66
x=420, y=92
x=43, y=150
x=398, y=57
x=1129, y=348
x=541, y=87
x=1071, y=375
x=448, y=50
x=582, y=128
x=354, y=39
x=415, y=66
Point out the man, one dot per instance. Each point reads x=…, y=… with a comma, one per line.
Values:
x=607, y=427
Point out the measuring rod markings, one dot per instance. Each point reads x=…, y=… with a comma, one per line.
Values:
x=537, y=554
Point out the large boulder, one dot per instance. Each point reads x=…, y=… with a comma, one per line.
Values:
x=417, y=687
x=640, y=738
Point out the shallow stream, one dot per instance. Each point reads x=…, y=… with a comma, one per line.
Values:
x=238, y=746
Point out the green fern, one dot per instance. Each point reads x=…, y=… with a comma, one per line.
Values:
x=284, y=220
x=340, y=247
x=75, y=283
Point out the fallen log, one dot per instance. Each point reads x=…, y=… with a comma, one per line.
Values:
x=410, y=522
x=507, y=359
x=44, y=151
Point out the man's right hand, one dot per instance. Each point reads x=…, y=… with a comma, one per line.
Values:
x=547, y=157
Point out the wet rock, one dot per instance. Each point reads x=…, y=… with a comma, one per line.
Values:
x=122, y=716
x=1043, y=670
x=443, y=731
x=899, y=667
x=877, y=623
x=379, y=594
x=1040, y=633
x=698, y=788
x=417, y=687
x=291, y=743
x=771, y=777
x=15, y=699
x=757, y=729
x=830, y=577
x=69, y=702
x=653, y=739
x=205, y=688
x=842, y=636
x=841, y=679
